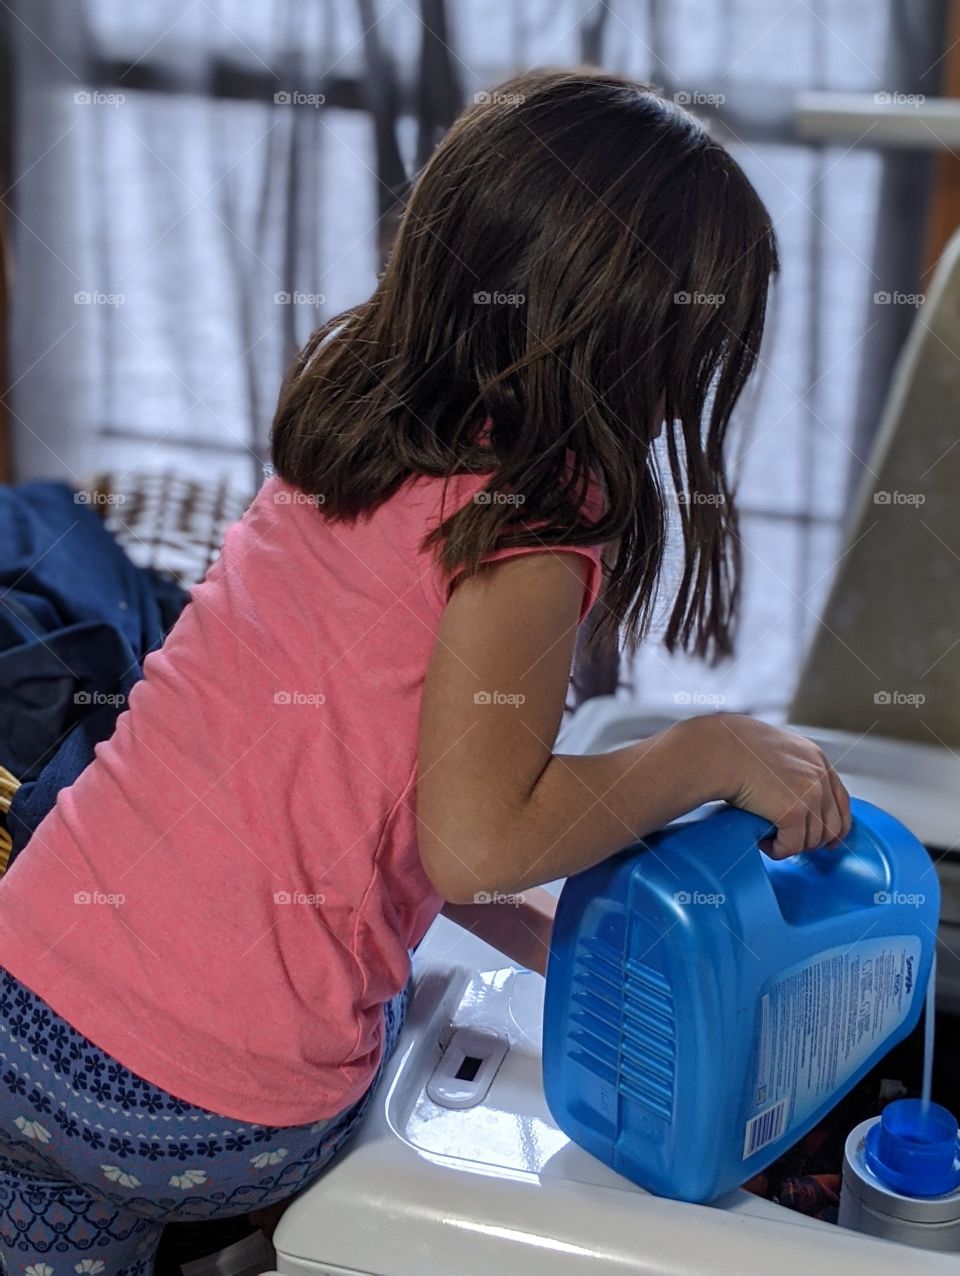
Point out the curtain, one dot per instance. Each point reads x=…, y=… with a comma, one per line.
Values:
x=195, y=185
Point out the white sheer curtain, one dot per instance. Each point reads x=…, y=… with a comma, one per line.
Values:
x=155, y=172
x=187, y=213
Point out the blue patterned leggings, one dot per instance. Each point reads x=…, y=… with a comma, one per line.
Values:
x=94, y=1159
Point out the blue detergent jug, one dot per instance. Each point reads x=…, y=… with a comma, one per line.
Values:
x=707, y=1005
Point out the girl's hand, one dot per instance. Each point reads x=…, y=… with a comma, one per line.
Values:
x=783, y=777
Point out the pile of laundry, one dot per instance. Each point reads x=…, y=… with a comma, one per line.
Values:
x=77, y=618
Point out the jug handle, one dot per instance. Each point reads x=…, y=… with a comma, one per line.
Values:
x=740, y=834
x=736, y=853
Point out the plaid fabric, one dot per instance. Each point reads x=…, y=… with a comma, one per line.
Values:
x=168, y=521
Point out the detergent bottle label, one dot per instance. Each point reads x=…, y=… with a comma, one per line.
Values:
x=819, y=1022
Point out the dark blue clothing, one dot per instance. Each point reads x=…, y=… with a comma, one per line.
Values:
x=77, y=618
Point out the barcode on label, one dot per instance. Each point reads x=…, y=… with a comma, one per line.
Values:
x=763, y=1129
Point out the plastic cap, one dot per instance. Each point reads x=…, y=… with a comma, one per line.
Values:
x=913, y=1148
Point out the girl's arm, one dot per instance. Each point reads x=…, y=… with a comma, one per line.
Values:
x=498, y=811
x=518, y=925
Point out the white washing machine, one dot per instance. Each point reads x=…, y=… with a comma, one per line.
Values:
x=459, y=1169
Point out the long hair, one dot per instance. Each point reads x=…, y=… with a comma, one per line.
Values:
x=577, y=264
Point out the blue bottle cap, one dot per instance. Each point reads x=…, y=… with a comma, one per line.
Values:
x=914, y=1149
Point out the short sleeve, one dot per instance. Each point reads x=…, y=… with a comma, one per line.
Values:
x=462, y=488
x=588, y=553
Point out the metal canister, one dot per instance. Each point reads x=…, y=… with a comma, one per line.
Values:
x=891, y=1178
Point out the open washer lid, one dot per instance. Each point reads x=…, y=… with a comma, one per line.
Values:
x=917, y=783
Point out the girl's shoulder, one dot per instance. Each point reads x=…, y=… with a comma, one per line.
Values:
x=449, y=493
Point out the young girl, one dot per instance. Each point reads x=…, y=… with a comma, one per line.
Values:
x=205, y=948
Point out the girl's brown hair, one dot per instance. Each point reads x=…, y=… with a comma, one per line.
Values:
x=577, y=261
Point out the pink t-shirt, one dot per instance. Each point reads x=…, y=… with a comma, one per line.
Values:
x=226, y=896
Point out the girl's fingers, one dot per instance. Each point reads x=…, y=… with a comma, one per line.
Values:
x=841, y=802
x=790, y=836
x=813, y=839
x=823, y=819
x=829, y=815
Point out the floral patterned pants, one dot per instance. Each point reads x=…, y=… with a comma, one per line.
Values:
x=94, y=1159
